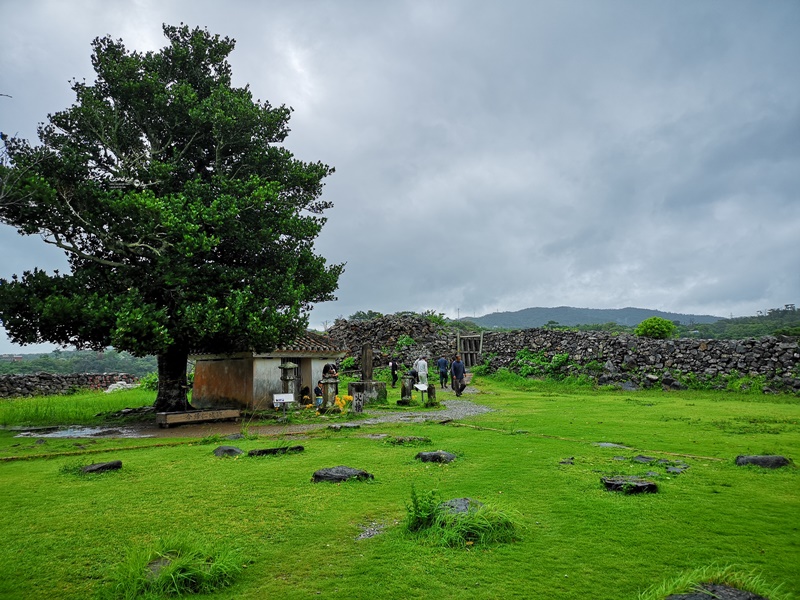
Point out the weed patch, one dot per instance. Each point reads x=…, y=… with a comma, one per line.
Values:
x=175, y=567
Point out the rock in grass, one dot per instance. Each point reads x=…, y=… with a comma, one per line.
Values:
x=459, y=506
x=767, y=461
x=344, y=426
x=410, y=440
x=440, y=456
x=713, y=590
x=339, y=474
x=629, y=485
x=227, y=451
x=643, y=459
x=273, y=451
x=102, y=467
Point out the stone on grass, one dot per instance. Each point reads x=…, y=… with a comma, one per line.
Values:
x=274, y=451
x=629, y=485
x=610, y=445
x=227, y=451
x=339, y=474
x=440, y=456
x=459, y=506
x=643, y=459
x=411, y=439
x=102, y=467
x=768, y=461
x=708, y=591
x=344, y=426
x=568, y=461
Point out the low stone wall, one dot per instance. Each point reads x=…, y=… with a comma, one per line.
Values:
x=625, y=357
x=45, y=384
x=619, y=358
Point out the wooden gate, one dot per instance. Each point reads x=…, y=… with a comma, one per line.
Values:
x=470, y=348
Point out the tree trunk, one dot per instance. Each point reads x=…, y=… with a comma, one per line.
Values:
x=172, y=386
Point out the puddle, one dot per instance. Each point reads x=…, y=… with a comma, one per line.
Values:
x=81, y=432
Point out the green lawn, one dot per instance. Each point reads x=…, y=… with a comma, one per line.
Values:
x=63, y=535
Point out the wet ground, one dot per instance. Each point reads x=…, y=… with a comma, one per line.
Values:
x=453, y=410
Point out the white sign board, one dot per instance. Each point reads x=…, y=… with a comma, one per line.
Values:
x=282, y=398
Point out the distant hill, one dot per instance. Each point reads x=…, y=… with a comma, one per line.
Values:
x=567, y=315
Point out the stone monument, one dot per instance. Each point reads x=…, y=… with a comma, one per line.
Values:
x=366, y=391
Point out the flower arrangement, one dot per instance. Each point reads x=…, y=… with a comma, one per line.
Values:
x=343, y=402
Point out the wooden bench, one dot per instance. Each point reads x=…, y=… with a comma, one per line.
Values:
x=165, y=419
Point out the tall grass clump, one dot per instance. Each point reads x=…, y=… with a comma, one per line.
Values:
x=174, y=567
x=433, y=521
x=731, y=576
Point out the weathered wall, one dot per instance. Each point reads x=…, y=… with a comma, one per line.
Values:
x=623, y=357
x=630, y=357
x=45, y=384
x=223, y=383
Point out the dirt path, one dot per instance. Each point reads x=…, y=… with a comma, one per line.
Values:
x=453, y=410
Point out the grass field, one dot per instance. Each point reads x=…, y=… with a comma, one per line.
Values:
x=67, y=536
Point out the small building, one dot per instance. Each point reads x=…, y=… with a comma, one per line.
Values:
x=249, y=380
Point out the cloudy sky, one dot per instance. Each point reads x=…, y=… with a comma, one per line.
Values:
x=495, y=156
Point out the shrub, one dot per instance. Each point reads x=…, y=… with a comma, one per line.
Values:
x=655, y=328
x=149, y=381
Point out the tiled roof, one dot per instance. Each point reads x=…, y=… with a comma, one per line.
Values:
x=308, y=343
x=312, y=342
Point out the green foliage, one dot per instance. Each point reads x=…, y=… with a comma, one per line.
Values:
x=81, y=361
x=404, y=341
x=175, y=567
x=186, y=222
x=149, y=381
x=348, y=363
x=731, y=576
x=537, y=364
x=435, y=318
x=361, y=315
x=87, y=407
x=655, y=328
x=481, y=525
x=775, y=321
x=421, y=509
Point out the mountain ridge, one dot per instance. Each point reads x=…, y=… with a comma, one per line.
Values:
x=571, y=316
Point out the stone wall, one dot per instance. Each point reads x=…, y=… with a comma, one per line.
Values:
x=383, y=334
x=628, y=357
x=619, y=358
x=45, y=384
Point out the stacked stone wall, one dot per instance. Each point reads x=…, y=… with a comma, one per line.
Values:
x=618, y=358
x=626, y=356
x=46, y=384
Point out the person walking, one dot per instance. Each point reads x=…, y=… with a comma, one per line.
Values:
x=443, y=368
x=458, y=371
x=393, y=366
x=421, y=367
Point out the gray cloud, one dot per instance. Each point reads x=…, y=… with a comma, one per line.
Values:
x=505, y=155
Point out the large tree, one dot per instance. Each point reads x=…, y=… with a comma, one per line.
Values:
x=186, y=223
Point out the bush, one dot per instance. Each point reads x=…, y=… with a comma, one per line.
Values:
x=655, y=328
x=149, y=381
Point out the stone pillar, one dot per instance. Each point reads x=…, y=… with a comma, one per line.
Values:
x=366, y=362
x=406, y=389
x=329, y=385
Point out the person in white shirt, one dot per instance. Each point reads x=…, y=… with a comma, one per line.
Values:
x=421, y=367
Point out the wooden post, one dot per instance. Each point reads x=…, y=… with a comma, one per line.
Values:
x=366, y=362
